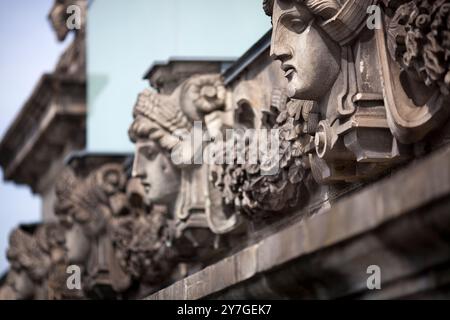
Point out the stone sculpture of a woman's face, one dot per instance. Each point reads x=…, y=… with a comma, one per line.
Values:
x=158, y=175
x=308, y=56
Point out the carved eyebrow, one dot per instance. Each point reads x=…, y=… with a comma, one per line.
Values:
x=295, y=14
x=289, y=14
x=148, y=148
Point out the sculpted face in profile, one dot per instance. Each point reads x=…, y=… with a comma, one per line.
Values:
x=155, y=119
x=156, y=171
x=159, y=120
x=308, y=56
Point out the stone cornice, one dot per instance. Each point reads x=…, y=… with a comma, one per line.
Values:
x=57, y=105
x=248, y=58
x=165, y=76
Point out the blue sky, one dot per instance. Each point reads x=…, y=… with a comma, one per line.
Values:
x=28, y=48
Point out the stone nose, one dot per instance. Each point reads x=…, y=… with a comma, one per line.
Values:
x=138, y=170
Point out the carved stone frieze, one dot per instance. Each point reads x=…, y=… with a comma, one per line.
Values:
x=143, y=243
x=38, y=259
x=87, y=206
x=332, y=64
x=169, y=162
x=413, y=50
x=330, y=57
x=124, y=246
x=246, y=188
x=348, y=103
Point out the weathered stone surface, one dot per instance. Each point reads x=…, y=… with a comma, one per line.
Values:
x=38, y=258
x=121, y=243
x=369, y=227
x=363, y=159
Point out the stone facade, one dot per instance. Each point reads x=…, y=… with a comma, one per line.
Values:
x=54, y=118
x=358, y=175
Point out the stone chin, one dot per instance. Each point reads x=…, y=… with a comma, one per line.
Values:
x=161, y=198
x=314, y=89
x=296, y=89
x=291, y=90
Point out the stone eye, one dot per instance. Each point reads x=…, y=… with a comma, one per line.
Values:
x=149, y=153
x=297, y=25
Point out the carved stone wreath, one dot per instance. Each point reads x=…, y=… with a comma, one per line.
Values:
x=258, y=196
x=419, y=40
x=143, y=246
x=42, y=255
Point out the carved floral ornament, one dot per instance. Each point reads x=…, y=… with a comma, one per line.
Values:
x=127, y=240
x=411, y=50
x=244, y=186
x=143, y=245
x=419, y=40
x=38, y=257
x=346, y=85
x=332, y=143
x=159, y=122
x=91, y=200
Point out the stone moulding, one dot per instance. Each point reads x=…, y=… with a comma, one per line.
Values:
x=54, y=111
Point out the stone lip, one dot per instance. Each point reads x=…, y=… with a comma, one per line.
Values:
x=399, y=223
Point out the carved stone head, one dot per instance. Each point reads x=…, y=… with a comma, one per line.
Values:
x=156, y=119
x=169, y=133
x=306, y=39
x=88, y=206
x=159, y=122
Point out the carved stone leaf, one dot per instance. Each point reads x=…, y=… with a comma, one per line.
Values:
x=257, y=195
x=282, y=117
x=418, y=40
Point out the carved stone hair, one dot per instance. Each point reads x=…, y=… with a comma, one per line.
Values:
x=157, y=118
x=79, y=199
x=323, y=8
x=343, y=20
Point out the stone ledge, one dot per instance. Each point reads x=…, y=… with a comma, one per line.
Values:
x=354, y=221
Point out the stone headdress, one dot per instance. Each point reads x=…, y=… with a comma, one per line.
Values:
x=157, y=118
x=163, y=118
x=342, y=19
x=84, y=199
